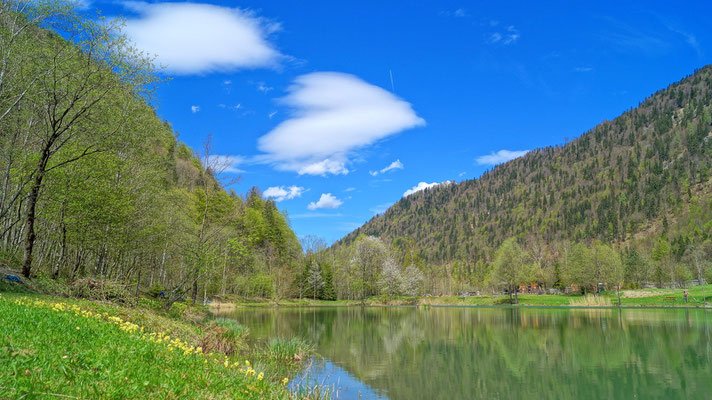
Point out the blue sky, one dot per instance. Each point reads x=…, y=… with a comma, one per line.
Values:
x=337, y=109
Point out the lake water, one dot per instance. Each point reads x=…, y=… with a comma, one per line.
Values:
x=404, y=353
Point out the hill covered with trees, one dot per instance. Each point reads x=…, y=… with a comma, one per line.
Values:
x=95, y=185
x=640, y=182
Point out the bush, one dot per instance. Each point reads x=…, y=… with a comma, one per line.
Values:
x=156, y=290
x=225, y=336
x=261, y=285
x=93, y=289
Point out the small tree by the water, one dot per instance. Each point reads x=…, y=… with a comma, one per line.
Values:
x=314, y=279
x=511, y=267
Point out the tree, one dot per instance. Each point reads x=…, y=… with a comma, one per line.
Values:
x=510, y=267
x=608, y=267
x=314, y=279
x=412, y=281
x=661, y=255
x=368, y=256
x=327, y=291
x=578, y=269
x=635, y=267
x=89, y=82
x=391, y=280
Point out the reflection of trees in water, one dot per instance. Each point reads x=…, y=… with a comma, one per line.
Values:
x=496, y=353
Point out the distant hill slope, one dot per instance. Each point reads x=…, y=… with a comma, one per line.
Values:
x=622, y=178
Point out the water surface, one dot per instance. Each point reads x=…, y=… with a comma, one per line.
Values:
x=404, y=353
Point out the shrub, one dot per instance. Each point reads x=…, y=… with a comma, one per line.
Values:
x=224, y=336
x=93, y=289
x=156, y=290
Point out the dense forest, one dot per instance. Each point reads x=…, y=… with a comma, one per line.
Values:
x=95, y=185
x=639, y=183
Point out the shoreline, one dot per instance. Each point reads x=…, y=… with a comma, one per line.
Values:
x=227, y=305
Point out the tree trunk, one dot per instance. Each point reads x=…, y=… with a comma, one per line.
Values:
x=30, y=235
x=55, y=273
x=138, y=281
x=194, y=293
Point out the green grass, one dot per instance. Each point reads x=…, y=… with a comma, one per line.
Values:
x=649, y=298
x=86, y=350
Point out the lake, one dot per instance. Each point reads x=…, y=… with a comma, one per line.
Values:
x=406, y=353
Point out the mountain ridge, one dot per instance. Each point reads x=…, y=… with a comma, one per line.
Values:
x=606, y=184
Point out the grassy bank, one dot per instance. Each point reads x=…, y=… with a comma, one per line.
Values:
x=54, y=347
x=629, y=298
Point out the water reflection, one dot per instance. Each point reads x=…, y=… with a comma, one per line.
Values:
x=466, y=353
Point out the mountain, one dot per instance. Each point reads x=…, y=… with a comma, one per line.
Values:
x=625, y=179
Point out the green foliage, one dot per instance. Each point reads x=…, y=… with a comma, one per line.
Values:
x=105, y=187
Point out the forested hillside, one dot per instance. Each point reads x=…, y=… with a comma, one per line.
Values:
x=641, y=178
x=95, y=184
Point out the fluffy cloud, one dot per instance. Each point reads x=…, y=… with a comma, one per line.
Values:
x=422, y=186
x=333, y=115
x=325, y=201
x=322, y=168
x=397, y=164
x=192, y=38
x=280, y=193
x=194, y=109
x=499, y=157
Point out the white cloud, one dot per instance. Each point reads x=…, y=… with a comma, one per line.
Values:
x=323, y=168
x=226, y=163
x=509, y=36
x=422, y=186
x=194, y=109
x=499, y=157
x=349, y=189
x=280, y=193
x=461, y=174
x=333, y=115
x=272, y=114
x=397, y=164
x=325, y=201
x=192, y=38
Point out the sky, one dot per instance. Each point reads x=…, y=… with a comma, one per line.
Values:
x=338, y=109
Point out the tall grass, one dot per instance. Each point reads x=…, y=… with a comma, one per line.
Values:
x=290, y=350
x=590, y=300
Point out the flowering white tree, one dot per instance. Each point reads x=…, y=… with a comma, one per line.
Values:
x=412, y=281
x=391, y=280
